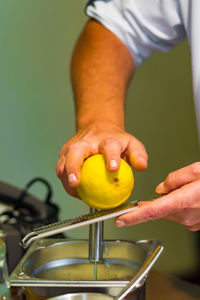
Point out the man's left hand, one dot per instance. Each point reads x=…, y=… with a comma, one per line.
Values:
x=180, y=201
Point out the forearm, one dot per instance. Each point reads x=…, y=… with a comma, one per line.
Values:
x=101, y=70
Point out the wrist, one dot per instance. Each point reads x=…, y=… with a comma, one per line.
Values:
x=98, y=124
x=106, y=114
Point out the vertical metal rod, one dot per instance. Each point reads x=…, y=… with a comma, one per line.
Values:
x=96, y=241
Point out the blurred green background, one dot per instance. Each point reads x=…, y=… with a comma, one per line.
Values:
x=37, y=116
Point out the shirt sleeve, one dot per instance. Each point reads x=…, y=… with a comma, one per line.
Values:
x=143, y=26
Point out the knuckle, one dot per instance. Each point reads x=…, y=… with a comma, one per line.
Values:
x=151, y=214
x=188, y=222
x=73, y=147
x=186, y=203
x=109, y=141
x=94, y=148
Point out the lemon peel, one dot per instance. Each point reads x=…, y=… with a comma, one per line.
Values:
x=99, y=188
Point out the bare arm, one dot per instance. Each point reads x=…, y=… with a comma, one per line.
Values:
x=101, y=70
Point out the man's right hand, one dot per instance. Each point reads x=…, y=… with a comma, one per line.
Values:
x=105, y=138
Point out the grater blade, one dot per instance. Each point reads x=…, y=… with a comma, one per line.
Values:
x=69, y=224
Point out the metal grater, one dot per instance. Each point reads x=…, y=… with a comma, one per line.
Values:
x=69, y=224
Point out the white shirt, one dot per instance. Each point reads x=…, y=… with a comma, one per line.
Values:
x=146, y=26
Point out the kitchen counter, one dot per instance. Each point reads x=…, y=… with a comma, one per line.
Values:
x=162, y=287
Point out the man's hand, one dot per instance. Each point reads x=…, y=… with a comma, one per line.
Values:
x=105, y=138
x=181, y=202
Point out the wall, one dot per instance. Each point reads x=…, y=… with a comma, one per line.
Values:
x=37, y=115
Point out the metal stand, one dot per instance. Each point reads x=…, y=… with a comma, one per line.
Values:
x=95, y=244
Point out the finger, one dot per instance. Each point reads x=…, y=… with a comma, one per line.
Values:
x=111, y=151
x=74, y=159
x=70, y=190
x=164, y=206
x=144, y=213
x=60, y=170
x=179, y=178
x=137, y=154
x=60, y=167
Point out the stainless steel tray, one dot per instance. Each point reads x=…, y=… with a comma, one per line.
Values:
x=55, y=266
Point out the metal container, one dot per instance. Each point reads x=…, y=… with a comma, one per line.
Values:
x=53, y=267
x=88, y=296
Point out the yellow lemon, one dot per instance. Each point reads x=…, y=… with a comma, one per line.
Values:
x=102, y=189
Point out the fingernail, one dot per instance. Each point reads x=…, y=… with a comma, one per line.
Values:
x=160, y=188
x=113, y=163
x=72, y=178
x=119, y=223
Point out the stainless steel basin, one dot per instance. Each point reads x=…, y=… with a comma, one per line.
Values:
x=53, y=267
x=88, y=296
